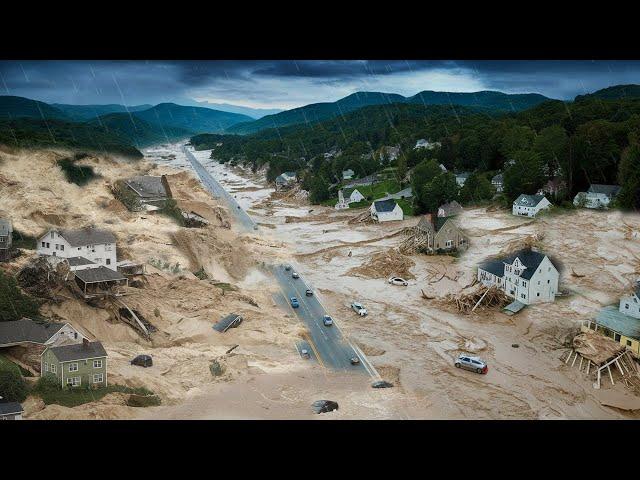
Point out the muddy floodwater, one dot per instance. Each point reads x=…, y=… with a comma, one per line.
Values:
x=412, y=341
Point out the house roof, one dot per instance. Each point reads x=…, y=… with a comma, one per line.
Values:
x=99, y=274
x=87, y=236
x=286, y=176
x=439, y=222
x=79, y=261
x=27, y=330
x=617, y=321
x=78, y=351
x=384, y=205
x=463, y=175
x=147, y=186
x=528, y=200
x=5, y=226
x=10, y=408
x=499, y=178
x=528, y=257
x=608, y=190
x=451, y=208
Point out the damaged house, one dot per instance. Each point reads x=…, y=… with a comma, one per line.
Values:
x=526, y=276
x=598, y=196
x=83, y=248
x=435, y=235
x=386, y=211
x=152, y=192
x=285, y=180
x=6, y=239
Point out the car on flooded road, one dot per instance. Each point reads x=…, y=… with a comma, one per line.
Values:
x=294, y=302
x=327, y=321
x=359, y=309
x=475, y=364
x=295, y=275
x=398, y=281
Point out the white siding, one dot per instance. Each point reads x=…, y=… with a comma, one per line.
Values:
x=53, y=244
x=630, y=306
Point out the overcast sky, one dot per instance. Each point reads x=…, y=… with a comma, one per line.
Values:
x=288, y=83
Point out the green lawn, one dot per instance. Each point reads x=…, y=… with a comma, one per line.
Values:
x=370, y=192
x=407, y=206
x=6, y=363
x=73, y=397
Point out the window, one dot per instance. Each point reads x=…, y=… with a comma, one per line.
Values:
x=108, y=261
x=74, y=381
x=98, y=378
x=628, y=343
x=538, y=294
x=48, y=245
x=73, y=367
x=548, y=281
x=524, y=284
x=46, y=367
x=43, y=245
x=62, y=247
x=449, y=243
x=616, y=337
x=54, y=368
x=97, y=364
x=523, y=295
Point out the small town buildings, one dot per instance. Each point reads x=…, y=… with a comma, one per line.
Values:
x=438, y=235
x=151, y=191
x=347, y=196
x=598, y=196
x=621, y=324
x=461, y=178
x=443, y=168
x=10, y=410
x=6, y=238
x=347, y=174
x=530, y=205
x=527, y=276
x=82, y=364
x=386, y=211
x=498, y=182
x=285, y=180
x=364, y=181
x=89, y=244
x=449, y=209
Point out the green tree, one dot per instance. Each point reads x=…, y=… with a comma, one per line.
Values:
x=12, y=386
x=476, y=189
x=526, y=175
x=552, y=144
x=441, y=189
x=629, y=178
x=515, y=139
x=14, y=304
x=401, y=168
x=319, y=191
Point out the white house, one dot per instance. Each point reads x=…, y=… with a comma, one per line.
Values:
x=631, y=305
x=461, y=178
x=426, y=144
x=386, y=210
x=26, y=331
x=93, y=245
x=347, y=174
x=598, y=196
x=346, y=197
x=498, y=182
x=527, y=276
x=530, y=205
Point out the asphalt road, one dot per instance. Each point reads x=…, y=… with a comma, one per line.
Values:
x=244, y=220
x=329, y=345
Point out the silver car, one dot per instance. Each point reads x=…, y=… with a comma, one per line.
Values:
x=474, y=364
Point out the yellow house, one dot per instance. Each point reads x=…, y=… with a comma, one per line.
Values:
x=614, y=324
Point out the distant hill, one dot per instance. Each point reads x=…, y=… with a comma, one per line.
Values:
x=20, y=107
x=88, y=112
x=38, y=133
x=316, y=112
x=193, y=119
x=613, y=93
x=254, y=113
x=132, y=129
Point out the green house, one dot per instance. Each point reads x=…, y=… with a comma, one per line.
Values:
x=81, y=364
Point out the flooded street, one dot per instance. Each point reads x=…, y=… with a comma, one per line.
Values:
x=412, y=341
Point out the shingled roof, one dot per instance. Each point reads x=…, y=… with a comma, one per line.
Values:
x=27, y=330
x=79, y=261
x=100, y=274
x=528, y=257
x=385, y=205
x=5, y=226
x=608, y=190
x=79, y=351
x=528, y=200
x=87, y=236
x=147, y=187
x=10, y=408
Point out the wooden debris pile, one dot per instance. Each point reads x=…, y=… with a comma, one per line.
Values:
x=483, y=297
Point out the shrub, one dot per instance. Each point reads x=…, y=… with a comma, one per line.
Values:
x=136, y=400
x=14, y=304
x=12, y=386
x=170, y=209
x=22, y=240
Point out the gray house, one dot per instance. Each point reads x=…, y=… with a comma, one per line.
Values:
x=10, y=411
x=285, y=180
x=6, y=231
x=150, y=190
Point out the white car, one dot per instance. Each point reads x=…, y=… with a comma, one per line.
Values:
x=398, y=281
x=359, y=309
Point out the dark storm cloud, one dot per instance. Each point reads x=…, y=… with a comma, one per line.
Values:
x=290, y=83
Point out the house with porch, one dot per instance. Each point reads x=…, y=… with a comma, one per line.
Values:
x=622, y=324
x=527, y=276
x=6, y=238
x=386, y=211
x=82, y=246
x=598, y=196
x=100, y=281
x=82, y=364
x=529, y=205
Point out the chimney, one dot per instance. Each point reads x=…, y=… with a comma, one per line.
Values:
x=85, y=343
